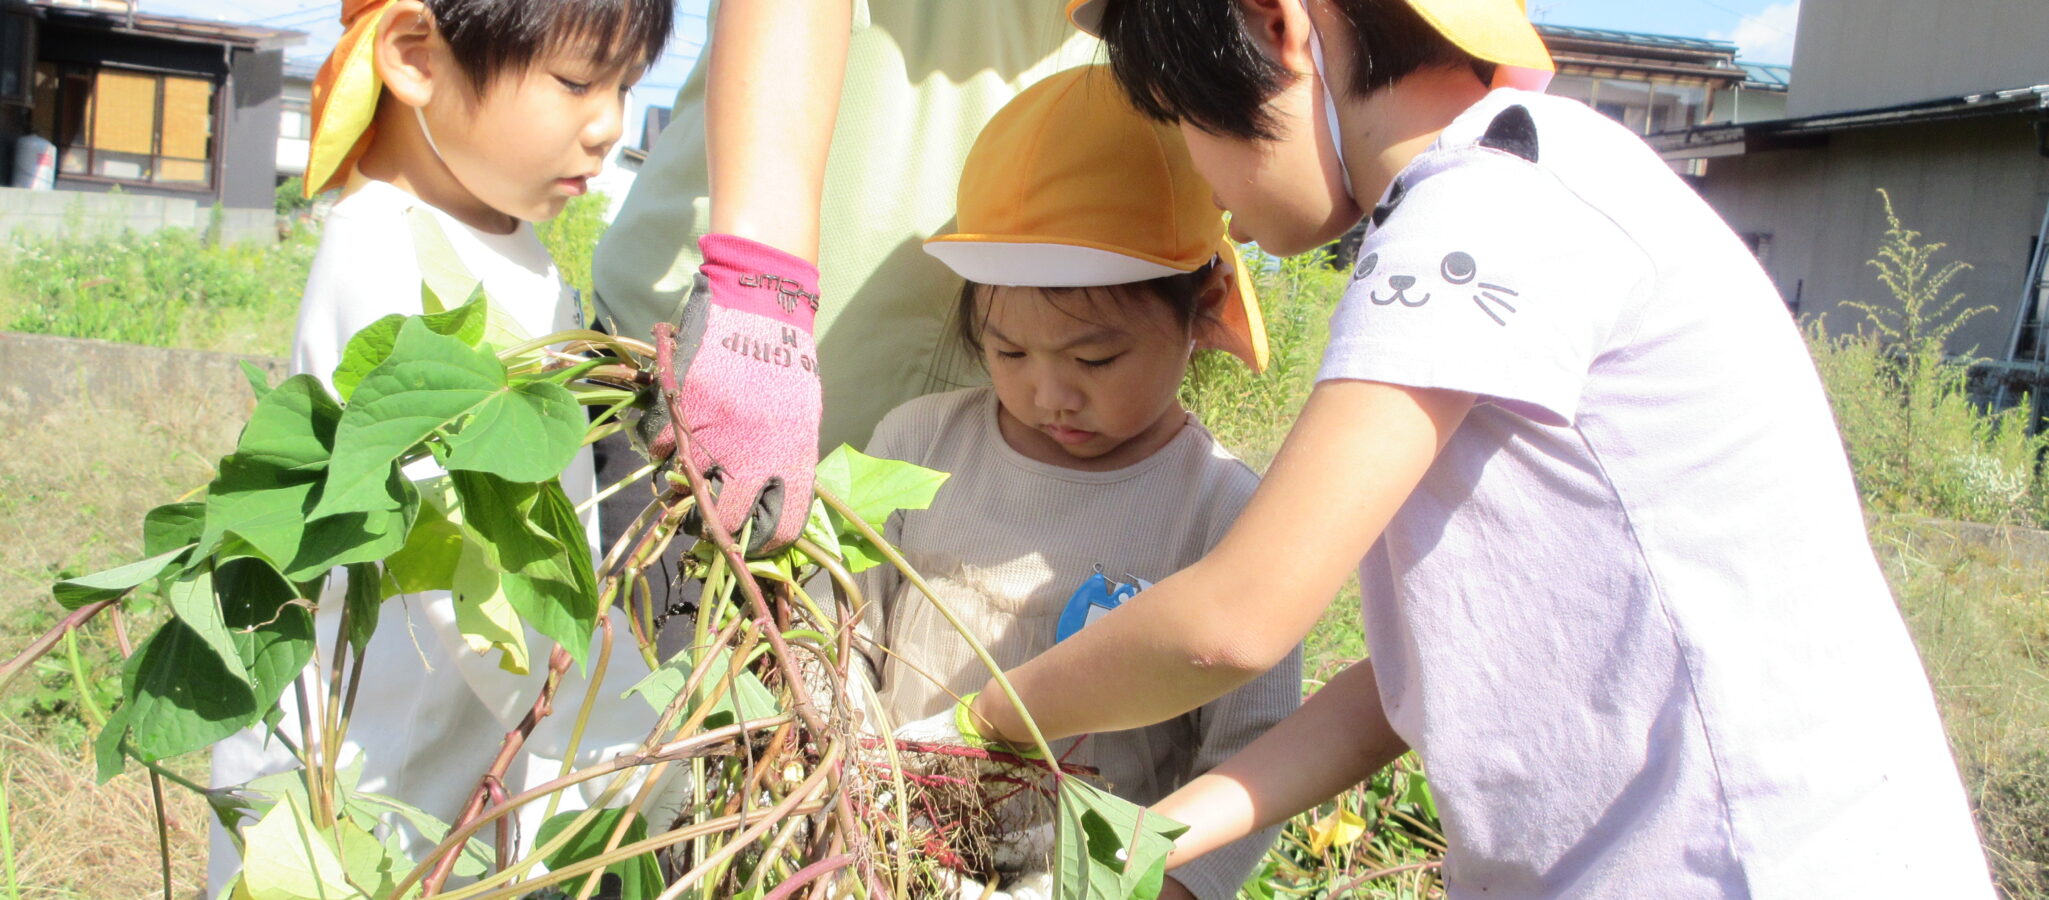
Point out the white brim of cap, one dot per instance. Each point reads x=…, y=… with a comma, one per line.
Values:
x=1019, y=264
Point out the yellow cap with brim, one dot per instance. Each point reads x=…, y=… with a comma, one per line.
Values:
x=1496, y=31
x=1070, y=186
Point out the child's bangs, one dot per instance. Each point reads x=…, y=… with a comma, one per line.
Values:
x=495, y=37
x=612, y=34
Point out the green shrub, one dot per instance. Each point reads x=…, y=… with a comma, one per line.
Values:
x=169, y=288
x=291, y=197
x=1917, y=441
x=1250, y=413
x=572, y=236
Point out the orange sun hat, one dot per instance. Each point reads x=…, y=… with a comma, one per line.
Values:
x=345, y=96
x=1070, y=186
x=1496, y=31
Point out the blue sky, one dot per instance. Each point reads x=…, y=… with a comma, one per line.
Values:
x=1763, y=29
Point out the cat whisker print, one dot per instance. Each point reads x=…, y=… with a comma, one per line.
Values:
x=1488, y=291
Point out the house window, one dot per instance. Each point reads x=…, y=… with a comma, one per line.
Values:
x=295, y=120
x=125, y=125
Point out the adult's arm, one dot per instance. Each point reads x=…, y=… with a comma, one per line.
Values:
x=770, y=103
x=1349, y=463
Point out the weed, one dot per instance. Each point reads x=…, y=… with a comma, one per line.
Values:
x=1917, y=441
x=170, y=288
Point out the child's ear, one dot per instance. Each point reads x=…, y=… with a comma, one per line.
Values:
x=1280, y=28
x=408, y=53
x=1209, y=306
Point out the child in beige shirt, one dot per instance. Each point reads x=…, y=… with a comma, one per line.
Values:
x=1095, y=265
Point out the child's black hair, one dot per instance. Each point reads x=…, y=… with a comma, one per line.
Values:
x=1195, y=61
x=1181, y=293
x=500, y=37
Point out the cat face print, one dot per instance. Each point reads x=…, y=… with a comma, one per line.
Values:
x=1458, y=273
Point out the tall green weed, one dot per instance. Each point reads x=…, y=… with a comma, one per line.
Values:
x=1250, y=412
x=1917, y=440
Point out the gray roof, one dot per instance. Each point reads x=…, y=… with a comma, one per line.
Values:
x=1766, y=76
x=1636, y=38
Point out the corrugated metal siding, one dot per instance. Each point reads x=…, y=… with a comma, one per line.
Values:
x=1858, y=54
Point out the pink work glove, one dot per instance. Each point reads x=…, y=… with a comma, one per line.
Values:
x=741, y=356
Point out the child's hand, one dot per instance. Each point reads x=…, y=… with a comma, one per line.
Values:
x=953, y=725
x=740, y=362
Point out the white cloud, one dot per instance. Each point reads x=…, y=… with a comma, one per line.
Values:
x=1765, y=36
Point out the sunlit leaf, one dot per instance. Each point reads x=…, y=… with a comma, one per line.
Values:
x=369, y=348
x=435, y=384
x=193, y=602
x=748, y=699
x=485, y=617
x=73, y=593
x=1341, y=828
x=366, y=809
x=285, y=857
x=530, y=534
x=259, y=381
x=874, y=489
x=433, y=547
x=173, y=525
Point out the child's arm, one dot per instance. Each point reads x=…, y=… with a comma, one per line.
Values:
x=1342, y=726
x=1227, y=726
x=1349, y=463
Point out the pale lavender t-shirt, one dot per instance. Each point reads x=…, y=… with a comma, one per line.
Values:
x=1630, y=617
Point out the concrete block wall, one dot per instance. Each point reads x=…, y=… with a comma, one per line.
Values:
x=61, y=212
x=45, y=381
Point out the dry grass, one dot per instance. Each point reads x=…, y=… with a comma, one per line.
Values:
x=1978, y=607
x=73, y=490
x=74, y=838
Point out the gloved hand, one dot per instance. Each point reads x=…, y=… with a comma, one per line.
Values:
x=955, y=725
x=741, y=357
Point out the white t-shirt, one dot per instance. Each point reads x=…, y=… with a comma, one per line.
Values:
x=1630, y=617
x=430, y=713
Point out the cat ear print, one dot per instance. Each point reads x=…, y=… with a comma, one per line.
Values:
x=1513, y=131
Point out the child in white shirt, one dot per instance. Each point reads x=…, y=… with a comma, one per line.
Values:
x=450, y=125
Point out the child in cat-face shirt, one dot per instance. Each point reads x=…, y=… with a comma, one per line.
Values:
x=1617, y=586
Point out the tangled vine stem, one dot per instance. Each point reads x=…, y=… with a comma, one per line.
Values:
x=49, y=640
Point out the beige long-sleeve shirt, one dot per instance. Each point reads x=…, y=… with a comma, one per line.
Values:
x=1008, y=539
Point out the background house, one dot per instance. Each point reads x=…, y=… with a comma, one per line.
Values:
x=1651, y=83
x=1946, y=106
x=179, y=114
x=295, y=117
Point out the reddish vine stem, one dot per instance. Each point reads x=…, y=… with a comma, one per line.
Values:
x=808, y=874
x=49, y=639
x=558, y=663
